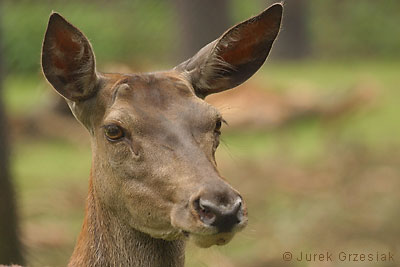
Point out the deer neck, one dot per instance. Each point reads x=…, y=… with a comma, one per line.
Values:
x=106, y=241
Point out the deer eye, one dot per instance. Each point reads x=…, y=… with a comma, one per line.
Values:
x=113, y=132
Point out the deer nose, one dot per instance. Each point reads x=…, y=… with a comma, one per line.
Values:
x=224, y=216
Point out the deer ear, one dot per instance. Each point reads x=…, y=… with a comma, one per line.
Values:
x=235, y=56
x=68, y=61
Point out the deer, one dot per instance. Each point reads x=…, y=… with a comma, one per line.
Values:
x=154, y=182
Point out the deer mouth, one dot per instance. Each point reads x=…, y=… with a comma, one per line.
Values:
x=205, y=241
x=205, y=236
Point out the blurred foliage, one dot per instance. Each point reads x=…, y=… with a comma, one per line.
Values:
x=144, y=32
x=120, y=31
x=359, y=29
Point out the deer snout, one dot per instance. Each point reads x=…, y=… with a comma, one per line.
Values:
x=221, y=211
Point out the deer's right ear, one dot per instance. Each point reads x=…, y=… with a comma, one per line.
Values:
x=68, y=61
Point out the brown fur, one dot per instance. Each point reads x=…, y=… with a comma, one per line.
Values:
x=157, y=183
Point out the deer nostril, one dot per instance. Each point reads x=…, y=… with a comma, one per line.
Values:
x=224, y=217
x=206, y=214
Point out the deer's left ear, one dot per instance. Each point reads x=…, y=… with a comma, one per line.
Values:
x=235, y=56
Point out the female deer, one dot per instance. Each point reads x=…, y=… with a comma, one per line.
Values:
x=154, y=180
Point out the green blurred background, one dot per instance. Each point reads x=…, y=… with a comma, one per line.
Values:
x=313, y=142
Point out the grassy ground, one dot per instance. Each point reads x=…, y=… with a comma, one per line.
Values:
x=312, y=186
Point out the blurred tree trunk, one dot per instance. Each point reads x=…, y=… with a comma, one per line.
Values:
x=10, y=246
x=200, y=22
x=293, y=41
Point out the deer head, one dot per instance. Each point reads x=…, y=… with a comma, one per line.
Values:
x=153, y=136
